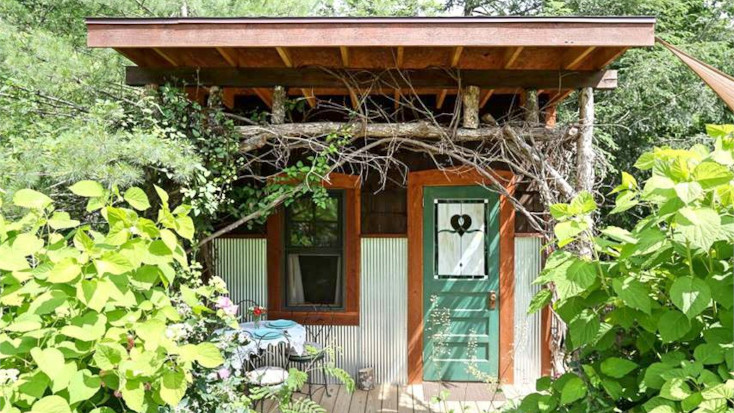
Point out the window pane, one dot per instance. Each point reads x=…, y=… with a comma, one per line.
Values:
x=314, y=279
x=301, y=234
x=460, y=239
x=301, y=210
x=325, y=235
x=330, y=212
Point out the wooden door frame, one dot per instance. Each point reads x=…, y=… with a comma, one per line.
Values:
x=459, y=177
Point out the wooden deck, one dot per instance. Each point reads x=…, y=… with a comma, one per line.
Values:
x=390, y=398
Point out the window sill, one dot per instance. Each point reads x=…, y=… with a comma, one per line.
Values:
x=340, y=318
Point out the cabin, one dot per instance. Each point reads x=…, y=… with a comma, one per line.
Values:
x=422, y=266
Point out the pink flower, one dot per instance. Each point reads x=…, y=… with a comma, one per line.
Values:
x=223, y=373
x=227, y=306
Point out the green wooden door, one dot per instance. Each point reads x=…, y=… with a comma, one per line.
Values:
x=460, y=283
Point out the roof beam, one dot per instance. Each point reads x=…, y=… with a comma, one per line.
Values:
x=318, y=78
x=266, y=95
x=446, y=32
x=456, y=55
x=168, y=58
x=400, y=56
x=485, y=98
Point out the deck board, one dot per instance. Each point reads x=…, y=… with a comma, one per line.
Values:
x=390, y=398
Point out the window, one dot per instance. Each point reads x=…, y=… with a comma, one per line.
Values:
x=460, y=239
x=314, y=258
x=314, y=251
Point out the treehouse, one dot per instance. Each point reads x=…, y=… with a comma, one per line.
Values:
x=441, y=153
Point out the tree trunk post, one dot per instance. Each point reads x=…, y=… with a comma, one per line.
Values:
x=532, y=109
x=277, y=116
x=584, y=144
x=470, y=100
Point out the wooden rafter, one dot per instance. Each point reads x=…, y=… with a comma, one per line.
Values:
x=400, y=56
x=440, y=98
x=456, y=55
x=168, y=58
x=318, y=78
x=310, y=98
x=344, y=51
x=266, y=95
x=574, y=57
x=511, y=56
x=485, y=97
x=285, y=55
x=232, y=60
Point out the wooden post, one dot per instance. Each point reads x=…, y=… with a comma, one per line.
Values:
x=532, y=109
x=584, y=144
x=470, y=100
x=278, y=111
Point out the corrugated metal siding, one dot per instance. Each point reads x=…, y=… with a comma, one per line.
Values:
x=380, y=341
x=527, y=327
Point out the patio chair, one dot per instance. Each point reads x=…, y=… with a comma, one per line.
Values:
x=318, y=333
x=267, y=369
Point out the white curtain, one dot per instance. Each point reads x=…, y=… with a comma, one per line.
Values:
x=295, y=282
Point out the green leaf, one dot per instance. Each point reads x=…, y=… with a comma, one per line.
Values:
x=64, y=271
x=652, y=375
x=645, y=161
x=540, y=300
x=185, y=227
x=567, y=231
x=108, y=356
x=574, y=389
x=624, y=202
x=710, y=353
x=673, y=325
x=688, y=191
x=26, y=244
x=575, y=279
x=62, y=220
x=617, y=367
x=634, y=293
x=151, y=331
x=87, y=189
x=619, y=234
x=208, y=355
x=173, y=387
x=88, y=327
x=691, y=295
x=675, y=389
x=51, y=404
x=93, y=293
x=28, y=198
x=50, y=361
x=711, y=174
x=83, y=386
x=584, y=328
x=133, y=392
x=137, y=198
x=699, y=226
x=113, y=263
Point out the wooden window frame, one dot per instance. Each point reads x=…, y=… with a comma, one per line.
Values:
x=349, y=315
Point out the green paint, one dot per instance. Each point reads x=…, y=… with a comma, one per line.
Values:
x=454, y=309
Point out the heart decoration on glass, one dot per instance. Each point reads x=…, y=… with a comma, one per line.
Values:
x=461, y=223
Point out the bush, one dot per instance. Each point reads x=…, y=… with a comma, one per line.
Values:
x=85, y=312
x=649, y=315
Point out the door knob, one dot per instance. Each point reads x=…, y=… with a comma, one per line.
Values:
x=492, y=300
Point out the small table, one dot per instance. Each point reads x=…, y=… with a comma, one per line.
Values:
x=294, y=337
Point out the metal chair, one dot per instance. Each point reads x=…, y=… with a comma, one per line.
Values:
x=315, y=354
x=267, y=369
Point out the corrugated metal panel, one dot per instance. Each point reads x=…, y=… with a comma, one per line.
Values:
x=380, y=341
x=384, y=314
x=241, y=262
x=527, y=327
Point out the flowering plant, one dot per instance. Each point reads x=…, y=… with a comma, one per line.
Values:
x=257, y=313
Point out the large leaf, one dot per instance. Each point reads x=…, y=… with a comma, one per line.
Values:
x=51, y=404
x=575, y=279
x=108, y=356
x=173, y=387
x=574, y=389
x=617, y=367
x=88, y=189
x=673, y=325
x=208, y=355
x=711, y=174
x=691, y=295
x=699, y=226
x=675, y=389
x=137, y=199
x=50, y=361
x=83, y=386
x=540, y=300
x=28, y=198
x=634, y=293
x=584, y=328
x=133, y=392
x=93, y=293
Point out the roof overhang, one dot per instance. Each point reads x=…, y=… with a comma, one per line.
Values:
x=377, y=32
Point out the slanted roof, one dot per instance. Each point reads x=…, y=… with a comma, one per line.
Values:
x=222, y=48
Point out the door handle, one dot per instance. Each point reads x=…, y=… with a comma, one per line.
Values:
x=492, y=300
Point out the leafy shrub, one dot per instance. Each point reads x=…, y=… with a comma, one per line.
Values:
x=85, y=313
x=649, y=315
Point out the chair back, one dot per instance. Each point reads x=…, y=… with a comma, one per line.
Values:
x=319, y=325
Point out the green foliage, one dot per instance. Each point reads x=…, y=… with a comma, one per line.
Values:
x=650, y=312
x=86, y=313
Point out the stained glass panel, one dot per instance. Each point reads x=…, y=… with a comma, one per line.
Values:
x=461, y=238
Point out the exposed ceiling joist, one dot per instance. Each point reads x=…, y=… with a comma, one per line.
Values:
x=456, y=55
x=574, y=57
x=440, y=98
x=285, y=55
x=511, y=56
x=168, y=58
x=266, y=95
x=344, y=51
x=400, y=56
x=228, y=56
x=485, y=97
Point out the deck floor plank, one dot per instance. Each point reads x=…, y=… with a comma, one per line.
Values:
x=359, y=401
x=420, y=404
x=405, y=400
x=388, y=398
x=343, y=400
x=328, y=401
x=373, y=402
